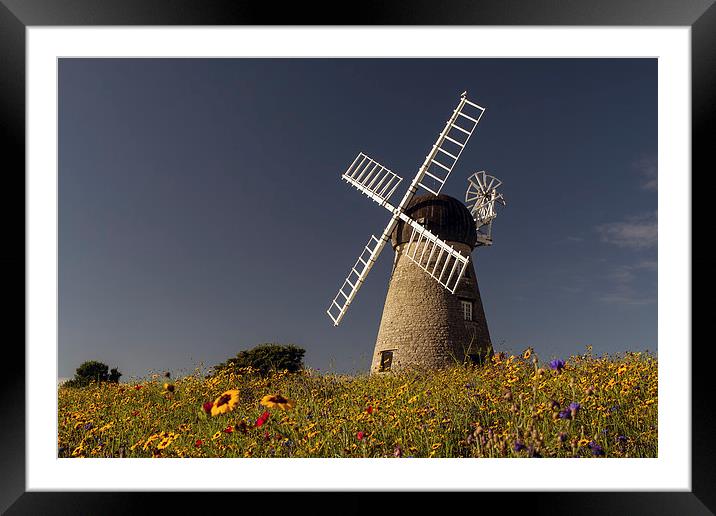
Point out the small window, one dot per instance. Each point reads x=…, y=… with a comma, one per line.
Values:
x=386, y=360
x=466, y=310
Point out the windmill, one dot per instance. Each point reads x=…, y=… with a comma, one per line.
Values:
x=434, y=232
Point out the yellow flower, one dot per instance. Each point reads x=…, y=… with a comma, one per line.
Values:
x=276, y=400
x=169, y=387
x=225, y=403
x=622, y=369
x=527, y=353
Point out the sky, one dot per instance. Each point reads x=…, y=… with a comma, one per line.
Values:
x=201, y=210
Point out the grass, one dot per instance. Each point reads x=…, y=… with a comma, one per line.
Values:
x=510, y=407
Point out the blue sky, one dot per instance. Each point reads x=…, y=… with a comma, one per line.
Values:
x=201, y=210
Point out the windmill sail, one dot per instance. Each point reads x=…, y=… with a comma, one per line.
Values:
x=355, y=279
x=372, y=178
x=449, y=146
x=435, y=256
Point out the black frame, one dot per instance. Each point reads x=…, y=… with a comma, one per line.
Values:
x=16, y=15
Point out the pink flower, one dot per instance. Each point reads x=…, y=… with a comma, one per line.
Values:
x=369, y=410
x=360, y=436
x=207, y=407
x=198, y=443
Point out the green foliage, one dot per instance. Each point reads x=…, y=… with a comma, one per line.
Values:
x=114, y=375
x=93, y=371
x=266, y=358
x=508, y=407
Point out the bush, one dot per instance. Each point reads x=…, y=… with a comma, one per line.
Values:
x=93, y=371
x=266, y=358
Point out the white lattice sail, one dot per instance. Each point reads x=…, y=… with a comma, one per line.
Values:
x=355, y=279
x=449, y=145
x=436, y=257
x=372, y=178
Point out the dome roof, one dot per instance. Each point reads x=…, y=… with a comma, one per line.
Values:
x=442, y=215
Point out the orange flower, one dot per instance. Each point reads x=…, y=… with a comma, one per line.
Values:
x=276, y=400
x=225, y=403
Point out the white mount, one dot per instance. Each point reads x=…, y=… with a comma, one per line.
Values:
x=379, y=183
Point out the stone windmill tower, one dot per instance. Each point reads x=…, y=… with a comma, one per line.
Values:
x=433, y=315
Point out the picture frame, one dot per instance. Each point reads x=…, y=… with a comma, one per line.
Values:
x=17, y=15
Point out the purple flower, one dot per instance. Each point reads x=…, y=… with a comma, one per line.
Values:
x=621, y=438
x=533, y=453
x=574, y=408
x=87, y=426
x=557, y=364
x=596, y=449
x=565, y=414
x=519, y=446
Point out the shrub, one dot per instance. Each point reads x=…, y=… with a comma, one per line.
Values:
x=266, y=358
x=93, y=371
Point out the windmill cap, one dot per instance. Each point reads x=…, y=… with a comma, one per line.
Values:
x=444, y=216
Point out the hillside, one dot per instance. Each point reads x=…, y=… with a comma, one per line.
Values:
x=514, y=406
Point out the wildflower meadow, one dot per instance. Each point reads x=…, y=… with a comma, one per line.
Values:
x=512, y=406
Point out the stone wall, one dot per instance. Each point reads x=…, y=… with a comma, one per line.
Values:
x=423, y=323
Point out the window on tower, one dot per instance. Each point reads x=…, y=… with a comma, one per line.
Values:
x=466, y=309
x=386, y=360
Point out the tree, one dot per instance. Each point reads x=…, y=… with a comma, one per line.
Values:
x=114, y=375
x=93, y=371
x=266, y=358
